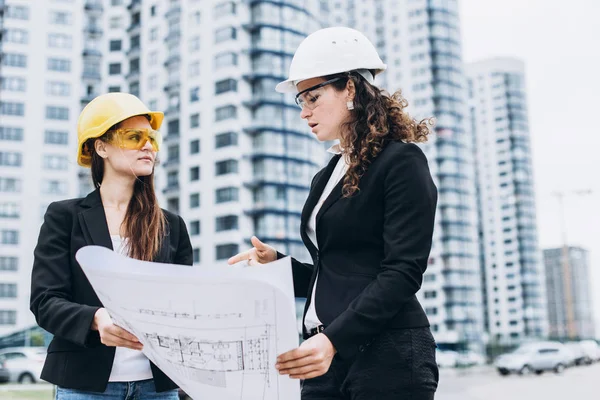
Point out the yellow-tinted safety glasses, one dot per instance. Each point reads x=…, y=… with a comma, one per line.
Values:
x=135, y=138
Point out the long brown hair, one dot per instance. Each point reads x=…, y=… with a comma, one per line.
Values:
x=144, y=223
x=377, y=119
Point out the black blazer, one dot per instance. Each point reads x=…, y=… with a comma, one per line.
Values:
x=373, y=249
x=64, y=302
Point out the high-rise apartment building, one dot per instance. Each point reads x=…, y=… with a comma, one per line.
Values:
x=513, y=276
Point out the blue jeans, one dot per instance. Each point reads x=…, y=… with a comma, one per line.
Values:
x=140, y=390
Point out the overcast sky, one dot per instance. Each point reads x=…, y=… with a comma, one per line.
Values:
x=559, y=43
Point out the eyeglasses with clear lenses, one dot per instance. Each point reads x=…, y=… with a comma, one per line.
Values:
x=308, y=99
x=135, y=138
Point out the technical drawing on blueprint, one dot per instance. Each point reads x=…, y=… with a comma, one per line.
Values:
x=216, y=331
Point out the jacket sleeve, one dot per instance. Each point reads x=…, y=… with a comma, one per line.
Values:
x=410, y=198
x=184, y=255
x=302, y=273
x=51, y=281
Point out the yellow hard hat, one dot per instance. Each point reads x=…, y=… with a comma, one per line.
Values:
x=105, y=111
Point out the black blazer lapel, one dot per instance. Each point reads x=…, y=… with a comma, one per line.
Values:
x=93, y=221
x=315, y=194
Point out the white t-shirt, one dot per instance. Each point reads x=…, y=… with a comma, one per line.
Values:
x=311, y=320
x=129, y=365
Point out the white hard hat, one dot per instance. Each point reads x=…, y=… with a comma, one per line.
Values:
x=331, y=51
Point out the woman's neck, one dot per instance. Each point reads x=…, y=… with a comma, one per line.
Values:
x=116, y=191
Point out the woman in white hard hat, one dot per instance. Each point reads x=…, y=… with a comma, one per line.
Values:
x=90, y=357
x=368, y=224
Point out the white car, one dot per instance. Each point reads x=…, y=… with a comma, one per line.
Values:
x=24, y=364
x=446, y=358
x=591, y=350
x=534, y=357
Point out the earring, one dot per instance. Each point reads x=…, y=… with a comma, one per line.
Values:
x=350, y=105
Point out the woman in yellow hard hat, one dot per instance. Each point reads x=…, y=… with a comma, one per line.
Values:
x=368, y=224
x=90, y=357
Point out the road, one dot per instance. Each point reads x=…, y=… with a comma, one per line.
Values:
x=485, y=383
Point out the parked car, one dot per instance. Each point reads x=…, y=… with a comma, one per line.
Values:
x=24, y=364
x=470, y=358
x=591, y=350
x=579, y=355
x=534, y=357
x=446, y=358
x=4, y=373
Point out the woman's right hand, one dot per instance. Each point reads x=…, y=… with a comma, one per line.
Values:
x=111, y=334
x=260, y=254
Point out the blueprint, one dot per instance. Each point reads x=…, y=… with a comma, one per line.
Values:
x=215, y=331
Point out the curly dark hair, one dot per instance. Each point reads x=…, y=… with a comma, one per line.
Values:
x=377, y=119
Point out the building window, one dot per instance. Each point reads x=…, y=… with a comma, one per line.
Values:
x=54, y=187
x=226, y=223
x=17, y=12
x=225, y=112
x=19, y=36
x=225, y=251
x=195, y=228
x=195, y=146
x=10, y=159
x=55, y=162
x=194, y=120
x=114, y=69
x=57, y=113
x=116, y=2
x=7, y=108
x=10, y=185
x=14, y=60
x=224, y=34
x=227, y=194
x=59, y=64
x=56, y=137
x=173, y=127
x=8, y=317
x=194, y=94
x=196, y=255
x=153, y=11
x=194, y=44
x=54, y=88
x=116, y=22
x=12, y=134
x=9, y=263
x=9, y=236
x=194, y=174
x=13, y=84
x=194, y=200
x=10, y=210
x=173, y=205
x=60, y=41
x=8, y=290
x=116, y=45
x=61, y=18
x=430, y=294
x=226, y=85
x=226, y=139
x=225, y=60
x=194, y=69
x=195, y=19
x=223, y=9
x=226, y=167
x=112, y=89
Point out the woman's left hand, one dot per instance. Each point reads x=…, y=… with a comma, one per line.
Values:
x=310, y=360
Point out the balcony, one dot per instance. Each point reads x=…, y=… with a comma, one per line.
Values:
x=173, y=36
x=174, y=59
x=91, y=53
x=133, y=75
x=171, y=188
x=171, y=138
x=135, y=5
x=172, y=86
x=133, y=52
x=91, y=75
x=173, y=12
x=134, y=27
x=171, y=163
x=93, y=30
x=93, y=5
